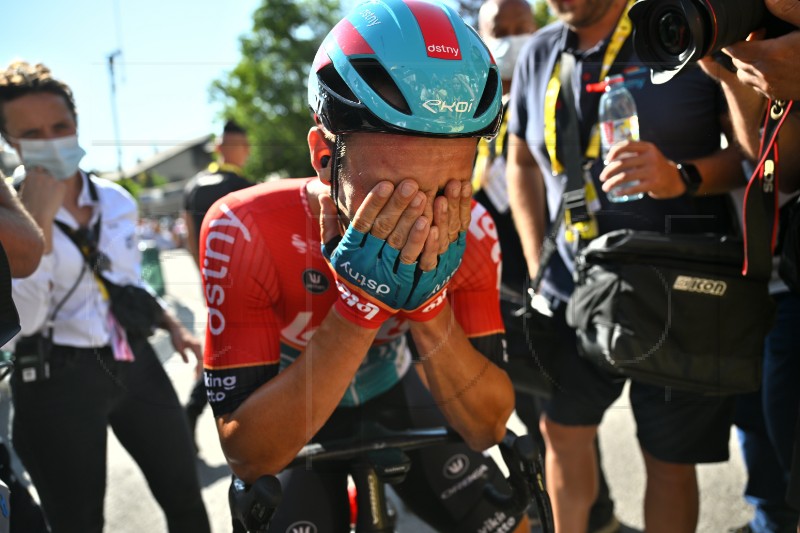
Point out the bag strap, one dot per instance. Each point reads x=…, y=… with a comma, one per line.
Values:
x=569, y=142
x=760, y=216
x=85, y=240
x=62, y=302
x=574, y=194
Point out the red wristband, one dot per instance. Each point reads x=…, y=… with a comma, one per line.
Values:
x=354, y=306
x=429, y=310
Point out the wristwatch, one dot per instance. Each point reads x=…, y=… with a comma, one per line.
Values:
x=691, y=177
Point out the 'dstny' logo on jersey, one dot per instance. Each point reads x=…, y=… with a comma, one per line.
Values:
x=315, y=281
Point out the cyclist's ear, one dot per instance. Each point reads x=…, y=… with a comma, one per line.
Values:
x=320, y=149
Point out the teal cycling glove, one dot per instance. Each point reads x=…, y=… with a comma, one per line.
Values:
x=374, y=284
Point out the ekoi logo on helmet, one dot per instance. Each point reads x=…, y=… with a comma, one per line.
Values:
x=440, y=106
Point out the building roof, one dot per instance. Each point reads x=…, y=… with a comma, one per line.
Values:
x=160, y=157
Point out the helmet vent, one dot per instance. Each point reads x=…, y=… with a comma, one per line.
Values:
x=381, y=82
x=489, y=93
x=330, y=77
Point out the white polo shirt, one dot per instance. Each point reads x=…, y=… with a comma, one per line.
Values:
x=82, y=320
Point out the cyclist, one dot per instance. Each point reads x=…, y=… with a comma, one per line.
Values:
x=304, y=342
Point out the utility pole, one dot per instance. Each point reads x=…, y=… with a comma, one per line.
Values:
x=114, y=117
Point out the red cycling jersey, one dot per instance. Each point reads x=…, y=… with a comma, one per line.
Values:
x=268, y=287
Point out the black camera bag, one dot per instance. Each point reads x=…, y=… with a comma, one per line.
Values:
x=671, y=310
x=135, y=308
x=32, y=357
x=684, y=311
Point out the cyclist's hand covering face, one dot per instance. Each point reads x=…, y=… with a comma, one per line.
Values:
x=375, y=260
x=439, y=166
x=393, y=219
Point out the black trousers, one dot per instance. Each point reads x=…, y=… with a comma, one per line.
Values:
x=60, y=428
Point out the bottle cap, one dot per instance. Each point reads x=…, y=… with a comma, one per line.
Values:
x=598, y=87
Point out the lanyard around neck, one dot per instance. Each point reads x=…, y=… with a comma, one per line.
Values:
x=618, y=38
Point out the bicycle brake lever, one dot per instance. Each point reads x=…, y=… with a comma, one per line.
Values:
x=520, y=496
x=253, y=506
x=526, y=479
x=533, y=471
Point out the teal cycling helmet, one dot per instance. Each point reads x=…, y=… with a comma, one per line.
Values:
x=411, y=67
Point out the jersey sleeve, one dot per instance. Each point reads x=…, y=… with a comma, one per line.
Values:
x=240, y=285
x=474, y=295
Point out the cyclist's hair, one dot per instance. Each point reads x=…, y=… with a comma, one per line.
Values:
x=21, y=78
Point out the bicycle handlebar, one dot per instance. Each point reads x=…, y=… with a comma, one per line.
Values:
x=254, y=506
x=378, y=438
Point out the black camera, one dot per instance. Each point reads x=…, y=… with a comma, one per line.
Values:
x=668, y=34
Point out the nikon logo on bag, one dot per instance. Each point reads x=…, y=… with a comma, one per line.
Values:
x=713, y=287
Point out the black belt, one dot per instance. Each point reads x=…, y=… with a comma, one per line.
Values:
x=79, y=351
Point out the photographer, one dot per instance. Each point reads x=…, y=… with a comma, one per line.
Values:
x=767, y=69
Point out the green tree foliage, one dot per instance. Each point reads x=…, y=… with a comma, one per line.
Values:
x=131, y=185
x=149, y=179
x=266, y=91
x=542, y=13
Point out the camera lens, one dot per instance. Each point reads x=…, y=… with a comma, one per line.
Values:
x=668, y=34
x=673, y=32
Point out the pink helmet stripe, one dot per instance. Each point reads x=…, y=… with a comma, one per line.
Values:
x=350, y=41
x=437, y=30
x=321, y=59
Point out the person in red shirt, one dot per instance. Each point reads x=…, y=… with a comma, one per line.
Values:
x=316, y=288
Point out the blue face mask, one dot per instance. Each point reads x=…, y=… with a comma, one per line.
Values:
x=60, y=157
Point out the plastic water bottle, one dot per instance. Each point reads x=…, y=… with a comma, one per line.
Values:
x=618, y=122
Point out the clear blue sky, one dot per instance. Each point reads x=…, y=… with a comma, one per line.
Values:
x=172, y=50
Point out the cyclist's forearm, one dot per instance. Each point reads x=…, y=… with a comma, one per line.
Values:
x=475, y=396
x=267, y=431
